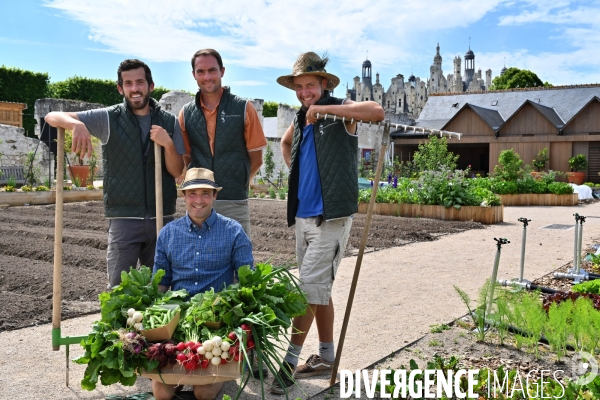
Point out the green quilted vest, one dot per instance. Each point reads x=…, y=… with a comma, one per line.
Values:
x=129, y=190
x=337, y=159
x=230, y=163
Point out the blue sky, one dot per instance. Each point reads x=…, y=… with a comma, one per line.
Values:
x=260, y=39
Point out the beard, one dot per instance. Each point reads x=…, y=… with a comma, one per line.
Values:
x=142, y=105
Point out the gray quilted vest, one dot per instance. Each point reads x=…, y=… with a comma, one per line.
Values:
x=230, y=163
x=129, y=190
x=337, y=159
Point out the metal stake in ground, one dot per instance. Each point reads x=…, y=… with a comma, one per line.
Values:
x=338, y=355
x=575, y=245
x=499, y=243
x=525, y=222
x=579, y=271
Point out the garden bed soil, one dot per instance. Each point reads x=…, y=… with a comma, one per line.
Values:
x=387, y=314
x=27, y=252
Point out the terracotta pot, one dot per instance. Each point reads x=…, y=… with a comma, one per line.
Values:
x=576, y=177
x=80, y=172
x=536, y=175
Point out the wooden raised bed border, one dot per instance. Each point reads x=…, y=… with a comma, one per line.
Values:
x=485, y=215
x=532, y=199
x=48, y=197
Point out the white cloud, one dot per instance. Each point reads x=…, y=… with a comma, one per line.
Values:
x=262, y=34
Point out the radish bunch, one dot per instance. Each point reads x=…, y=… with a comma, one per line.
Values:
x=134, y=318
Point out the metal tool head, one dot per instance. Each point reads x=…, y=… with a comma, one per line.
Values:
x=525, y=221
x=500, y=242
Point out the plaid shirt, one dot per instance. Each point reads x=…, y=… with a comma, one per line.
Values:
x=196, y=259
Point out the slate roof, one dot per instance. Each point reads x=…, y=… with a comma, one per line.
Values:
x=491, y=117
x=566, y=102
x=595, y=98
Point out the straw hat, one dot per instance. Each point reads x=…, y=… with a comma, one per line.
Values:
x=309, y=64
x=196, y=178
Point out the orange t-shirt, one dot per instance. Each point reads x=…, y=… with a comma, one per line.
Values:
x=253, y=131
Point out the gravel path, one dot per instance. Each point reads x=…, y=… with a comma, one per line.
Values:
x=400, y=293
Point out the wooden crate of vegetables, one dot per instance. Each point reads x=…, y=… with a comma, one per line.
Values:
x=198, y=363
x=254, y=313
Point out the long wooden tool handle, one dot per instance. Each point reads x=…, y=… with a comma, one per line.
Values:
x=58, y=232
x=158, y=187
x=361, y=251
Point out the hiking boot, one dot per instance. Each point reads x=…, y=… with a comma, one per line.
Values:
x=255, y=373
x=285, y=374
x=315, y=365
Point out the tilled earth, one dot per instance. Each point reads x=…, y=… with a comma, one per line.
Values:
x=27, y=252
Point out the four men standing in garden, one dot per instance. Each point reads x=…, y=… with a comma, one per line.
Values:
x=221, y=132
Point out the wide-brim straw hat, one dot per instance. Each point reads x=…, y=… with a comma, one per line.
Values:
x=309, y=64
x=199, y=178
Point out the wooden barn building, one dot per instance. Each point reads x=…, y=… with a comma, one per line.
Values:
x=564, y=119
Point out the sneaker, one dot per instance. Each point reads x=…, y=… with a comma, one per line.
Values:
x=285, y=374
x=315, y=365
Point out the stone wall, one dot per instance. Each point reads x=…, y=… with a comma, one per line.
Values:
x=44, y=106
x=285, y=117
x=14, y=147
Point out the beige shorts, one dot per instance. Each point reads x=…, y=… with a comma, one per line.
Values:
x=319, y=251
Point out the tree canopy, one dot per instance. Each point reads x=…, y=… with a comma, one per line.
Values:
x=517, y=78
x=270, y=109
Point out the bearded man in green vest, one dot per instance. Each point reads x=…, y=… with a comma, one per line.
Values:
x=222, y=133
x=126, y=131
x=323, y=194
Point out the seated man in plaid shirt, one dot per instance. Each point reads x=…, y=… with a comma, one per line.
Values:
x=199, y=251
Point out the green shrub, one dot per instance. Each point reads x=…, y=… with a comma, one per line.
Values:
x=560, y=188
x=41, y=188
x=10, y=188
x=510, y=166
x=504, y=187
x=590, y=184
x=486, y=197
x=270, y=108
x=434, y=154
x=540, y=161
x=22, y=86
x=272, y=193
x=281, y=194
x=26, y=188
x=529, y=185
x=102, y=91
x=578, y=162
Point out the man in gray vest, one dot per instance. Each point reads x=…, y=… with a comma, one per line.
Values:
x=127, y=131
x=323, y=194
x=222, y=132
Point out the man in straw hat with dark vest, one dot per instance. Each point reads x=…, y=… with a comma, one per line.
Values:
x=222, y=132
x=127, y=131
x=199, y=251
x=323, y=194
